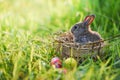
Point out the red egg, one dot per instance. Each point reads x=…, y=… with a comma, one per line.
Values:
x=61, y=70
x=56, y=62
x=64, y=71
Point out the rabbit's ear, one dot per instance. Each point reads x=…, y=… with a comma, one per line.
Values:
x=88, y=20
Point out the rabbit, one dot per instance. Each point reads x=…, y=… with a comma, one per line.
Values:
x=82, y=32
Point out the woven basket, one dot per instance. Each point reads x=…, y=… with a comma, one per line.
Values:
x=64, y=44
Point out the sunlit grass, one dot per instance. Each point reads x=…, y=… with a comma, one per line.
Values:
x=27, y=28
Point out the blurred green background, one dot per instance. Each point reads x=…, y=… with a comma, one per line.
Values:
x=26, y=28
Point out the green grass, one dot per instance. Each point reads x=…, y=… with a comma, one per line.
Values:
x=27, y=28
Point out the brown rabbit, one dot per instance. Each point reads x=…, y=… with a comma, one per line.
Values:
x=82, y=32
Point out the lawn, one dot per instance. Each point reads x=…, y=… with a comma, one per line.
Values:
x=27, y=28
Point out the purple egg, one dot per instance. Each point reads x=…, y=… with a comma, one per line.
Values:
x=56, y=62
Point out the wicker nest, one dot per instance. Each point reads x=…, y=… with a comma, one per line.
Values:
x=64, y=44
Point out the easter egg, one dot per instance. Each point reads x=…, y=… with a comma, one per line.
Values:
x=70, y=63
x=56, y=62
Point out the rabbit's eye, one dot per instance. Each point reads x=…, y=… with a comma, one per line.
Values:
x=75, y=27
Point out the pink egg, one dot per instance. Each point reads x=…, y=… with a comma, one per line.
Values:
x=64, y=71
x=56, y=62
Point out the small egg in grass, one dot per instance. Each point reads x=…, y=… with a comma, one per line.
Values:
x=64, y=70
x=56, y=62
x=70, y=63
x=61, y=70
